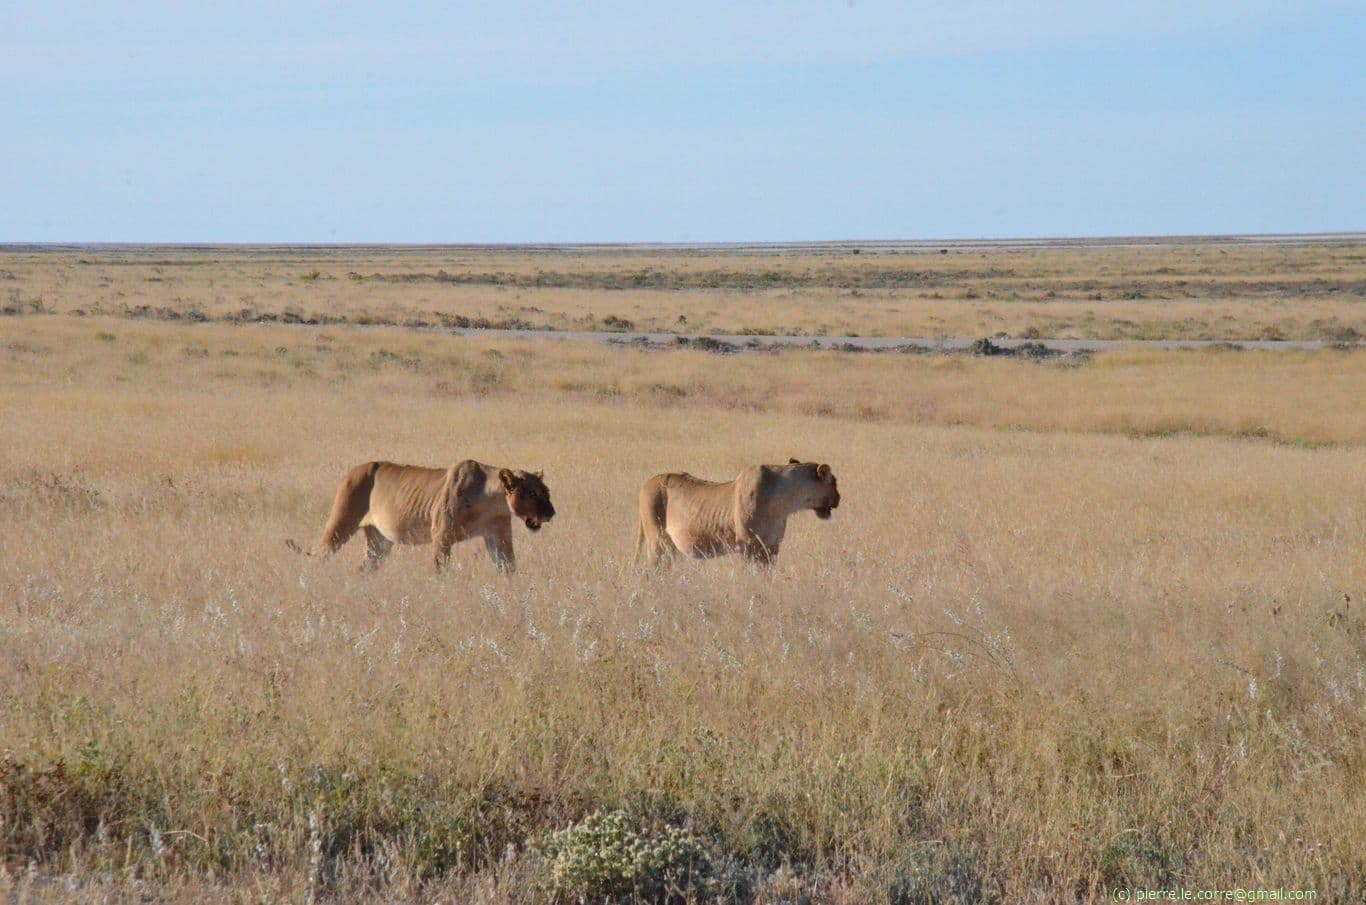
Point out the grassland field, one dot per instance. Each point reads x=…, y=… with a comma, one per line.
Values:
x=1078, y=625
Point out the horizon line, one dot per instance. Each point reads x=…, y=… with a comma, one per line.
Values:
x=775, y=244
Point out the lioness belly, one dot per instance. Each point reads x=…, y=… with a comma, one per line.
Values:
x=395, y=530
x=699, y=544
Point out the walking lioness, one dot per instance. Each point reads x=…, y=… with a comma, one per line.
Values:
x=409, y=504
x=681, y=513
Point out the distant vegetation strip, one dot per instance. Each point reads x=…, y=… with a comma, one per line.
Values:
x=869, y=278
x=512, y=327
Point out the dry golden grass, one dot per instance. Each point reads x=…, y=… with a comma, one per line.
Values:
x=1190, y=291
x=1073, y=627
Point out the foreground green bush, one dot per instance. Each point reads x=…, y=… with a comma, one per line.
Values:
x=610, y=856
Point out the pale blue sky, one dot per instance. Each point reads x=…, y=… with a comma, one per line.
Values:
x=528, y=122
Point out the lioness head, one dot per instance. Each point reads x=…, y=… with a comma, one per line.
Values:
x=527, y=496
x=823, y=493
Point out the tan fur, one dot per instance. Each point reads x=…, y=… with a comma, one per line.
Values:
x=409, y=504
x=683, y=514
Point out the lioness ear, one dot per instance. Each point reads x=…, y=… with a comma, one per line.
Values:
x=794, y=462
x=508, y=478
x=823, y=471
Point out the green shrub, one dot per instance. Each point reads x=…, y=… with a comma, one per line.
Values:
x=1141, y=859
x=610, y=857
x=934, y=875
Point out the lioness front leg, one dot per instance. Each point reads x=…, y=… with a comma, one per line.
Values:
x=758, y=553
x=498, y=543
x=442, y=541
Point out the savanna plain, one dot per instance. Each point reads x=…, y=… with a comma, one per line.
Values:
x=1081, y=623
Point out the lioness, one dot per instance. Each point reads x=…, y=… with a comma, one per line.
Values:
x=409, y=504
x=681, y=513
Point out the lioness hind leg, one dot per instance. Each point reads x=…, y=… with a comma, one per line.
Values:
x=377, y=546
x=653, y=543
x=660, y=551
x=348, y=508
